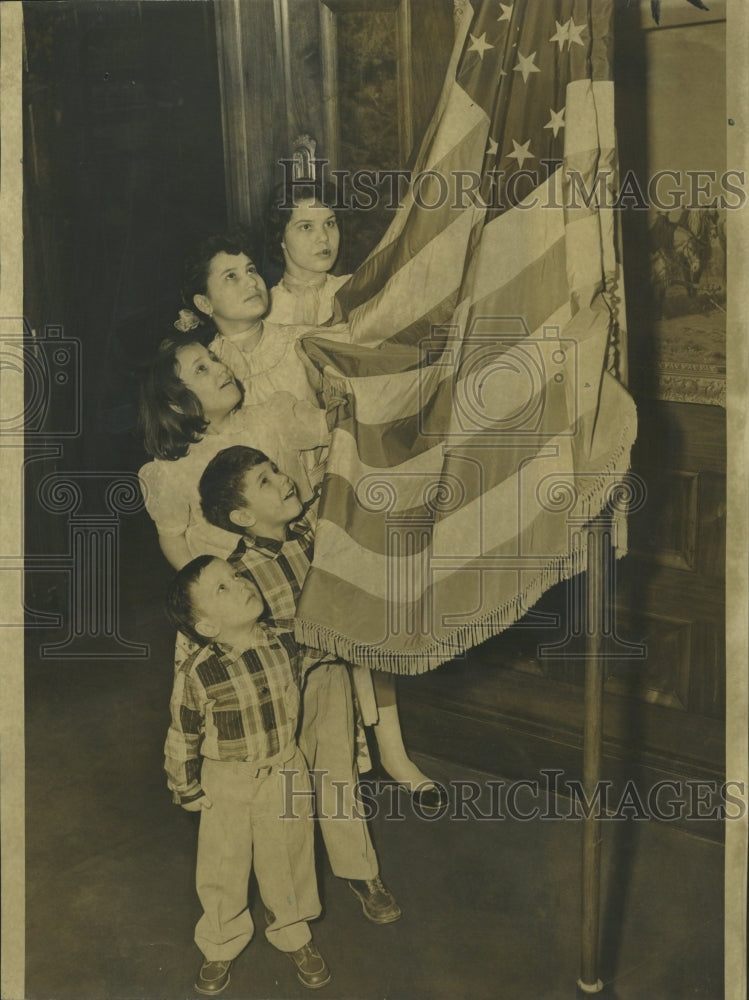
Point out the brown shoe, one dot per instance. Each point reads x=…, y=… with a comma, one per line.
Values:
x=378, y=903
x=213, y=978
x=311, y=969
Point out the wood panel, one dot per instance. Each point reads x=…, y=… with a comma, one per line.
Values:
x=432, y=31
x=253, y=103
x=662, y=677
x=383, y=63
x=304, y=106
x=361, y=76
x=671, y=538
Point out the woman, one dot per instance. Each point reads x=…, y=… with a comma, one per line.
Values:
x=225, y=295
x=191, y=408
x=303, y=233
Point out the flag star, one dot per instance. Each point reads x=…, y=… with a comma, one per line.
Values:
x=521, y=153
x=574, y=31
x=556, y=121
x=506, y=11
x=562, y=34
x=479, y=45
x=526, y=65
x=492, y=149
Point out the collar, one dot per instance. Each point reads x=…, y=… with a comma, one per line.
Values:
x=228, y=654
x=272, y=546
x=292, y=284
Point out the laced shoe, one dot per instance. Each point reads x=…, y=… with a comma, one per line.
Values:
x=311, y=968
x=213, y=978
x=377, y=902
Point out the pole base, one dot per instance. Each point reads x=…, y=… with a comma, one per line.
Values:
x=588, y=988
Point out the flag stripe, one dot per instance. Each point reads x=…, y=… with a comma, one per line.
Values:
x=464, y=127
x=481, y=414
x=417, y=286
x=425, y=486
x=512, y=241
x=535, y=294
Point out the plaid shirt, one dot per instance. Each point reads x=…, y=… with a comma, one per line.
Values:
x=232, y=706
x=279, y=570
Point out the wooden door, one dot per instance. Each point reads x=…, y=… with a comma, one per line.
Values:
x=361, y=77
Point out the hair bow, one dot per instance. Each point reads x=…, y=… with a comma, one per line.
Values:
x=186, y=321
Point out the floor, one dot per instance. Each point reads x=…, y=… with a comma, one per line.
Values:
x=491, y=907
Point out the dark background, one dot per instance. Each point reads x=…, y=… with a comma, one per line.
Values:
x=123, y=168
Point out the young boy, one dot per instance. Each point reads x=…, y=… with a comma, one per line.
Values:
x=244, y=492
x=235, y=704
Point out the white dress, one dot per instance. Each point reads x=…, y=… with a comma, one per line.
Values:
x=284, y=428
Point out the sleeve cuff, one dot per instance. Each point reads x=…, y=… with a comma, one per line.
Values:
x=190, y=797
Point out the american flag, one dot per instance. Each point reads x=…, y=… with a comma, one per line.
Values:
x=486, y=409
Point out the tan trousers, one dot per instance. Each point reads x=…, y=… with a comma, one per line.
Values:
x=327, y=741
x=243, y=828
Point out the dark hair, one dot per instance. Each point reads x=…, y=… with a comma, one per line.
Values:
x=221, y=485
x=284, y=200
x=171, y=415
x=198, y=262
x=180, y=605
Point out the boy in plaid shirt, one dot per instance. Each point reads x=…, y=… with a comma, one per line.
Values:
x=241, y=490
x=230, y=752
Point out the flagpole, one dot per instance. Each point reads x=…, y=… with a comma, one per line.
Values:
x=599, y=551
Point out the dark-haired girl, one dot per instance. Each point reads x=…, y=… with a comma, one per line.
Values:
x=225, y=295
x=191, y=408
x=302, y=233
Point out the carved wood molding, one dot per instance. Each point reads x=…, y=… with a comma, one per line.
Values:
x=688, y=360
x=690, y=383
x=329, y=62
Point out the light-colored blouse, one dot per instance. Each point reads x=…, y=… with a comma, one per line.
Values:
x=284, y=428
x=301, y=304
x=273, y=365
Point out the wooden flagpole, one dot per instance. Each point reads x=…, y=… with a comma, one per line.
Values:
x=599, y=555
